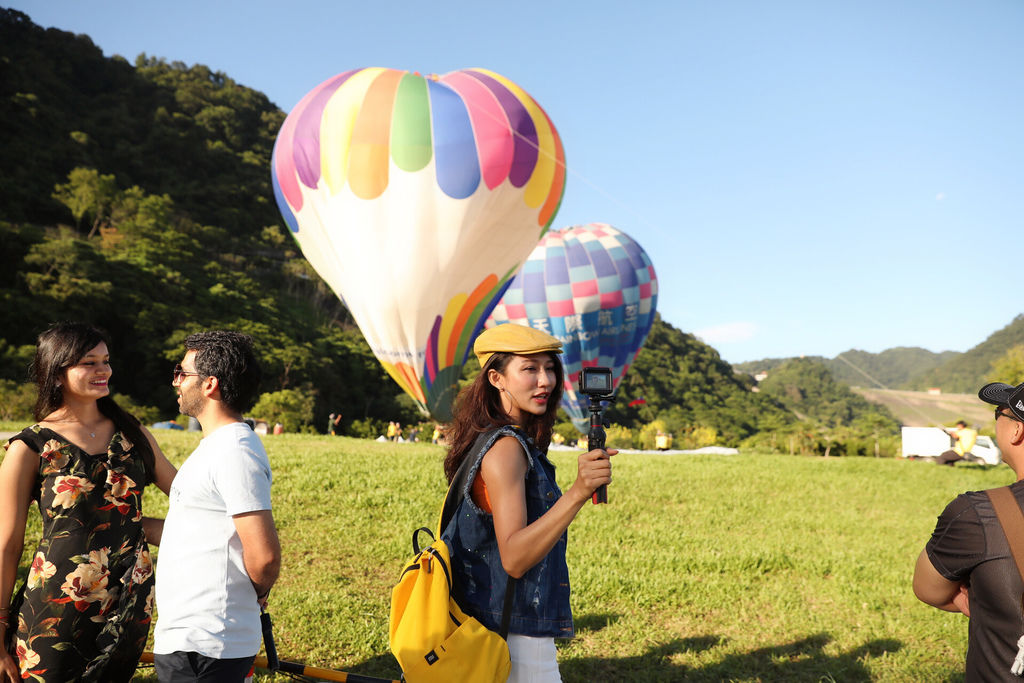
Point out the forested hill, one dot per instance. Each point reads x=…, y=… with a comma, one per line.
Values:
x=183, y=131
x=919, y=369
x=890, y=368
x=137, y=197
x=966, y=372
x=685, y=382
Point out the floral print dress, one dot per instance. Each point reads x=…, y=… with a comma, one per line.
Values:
x=88, y=597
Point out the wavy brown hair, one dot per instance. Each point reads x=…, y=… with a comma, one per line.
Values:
x=478, y=409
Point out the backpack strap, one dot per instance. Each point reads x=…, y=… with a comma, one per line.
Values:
x=452, y=500
x=455, y=494
x=1011, y=518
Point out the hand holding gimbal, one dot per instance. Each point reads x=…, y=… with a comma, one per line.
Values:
x=596, y=385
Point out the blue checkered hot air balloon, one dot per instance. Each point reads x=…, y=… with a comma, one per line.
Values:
x=593, y=288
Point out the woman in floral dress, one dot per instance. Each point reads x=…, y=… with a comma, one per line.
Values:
x=84, y=611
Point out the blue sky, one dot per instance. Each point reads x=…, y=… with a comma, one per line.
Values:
x=808, y=177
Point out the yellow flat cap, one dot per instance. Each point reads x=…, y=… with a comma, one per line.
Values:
x=512, y=338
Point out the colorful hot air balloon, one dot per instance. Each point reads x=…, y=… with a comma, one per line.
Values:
x=416, y=199
x=595, y=289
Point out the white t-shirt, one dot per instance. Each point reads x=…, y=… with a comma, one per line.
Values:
x=205, y=600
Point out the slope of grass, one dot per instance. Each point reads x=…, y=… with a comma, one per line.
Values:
x=921, y=409
x=706, y=568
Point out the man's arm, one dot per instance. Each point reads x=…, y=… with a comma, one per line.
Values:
x=261, y=549
x=934, y=589
x=153, y=528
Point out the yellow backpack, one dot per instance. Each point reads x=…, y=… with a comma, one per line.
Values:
x=430, y=635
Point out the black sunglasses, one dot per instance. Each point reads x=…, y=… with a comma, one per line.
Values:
x=1000, y=413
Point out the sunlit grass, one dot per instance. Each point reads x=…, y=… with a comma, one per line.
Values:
x=706, y=568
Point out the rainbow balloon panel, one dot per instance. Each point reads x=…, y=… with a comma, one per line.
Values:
x=593, y=288
x=416, y=198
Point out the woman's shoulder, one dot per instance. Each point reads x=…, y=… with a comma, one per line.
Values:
x=34, y=436
x=509, y=443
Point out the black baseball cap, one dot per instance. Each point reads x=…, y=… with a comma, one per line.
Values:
x=1000, y=394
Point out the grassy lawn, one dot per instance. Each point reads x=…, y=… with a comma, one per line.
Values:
x=705, y=568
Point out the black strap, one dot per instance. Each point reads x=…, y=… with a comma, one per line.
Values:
x=452, y=500
x=416, y=549
x=455, y=495
x=506, y=611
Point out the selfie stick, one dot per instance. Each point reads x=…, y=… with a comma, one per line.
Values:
x=595, y=440
x=273, y=663
x=596, y=384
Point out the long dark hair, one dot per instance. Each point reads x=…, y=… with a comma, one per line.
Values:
x=61, y=347
x=478, y=409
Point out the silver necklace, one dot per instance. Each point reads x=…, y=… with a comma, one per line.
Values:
x=92, y=434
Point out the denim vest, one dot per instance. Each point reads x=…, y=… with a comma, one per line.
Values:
x=540, y=606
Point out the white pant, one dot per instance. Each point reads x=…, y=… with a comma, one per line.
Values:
x=533, y=660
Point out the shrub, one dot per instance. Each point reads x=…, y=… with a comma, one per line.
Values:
x=147, y=415
x=368, y=428
x=698, y=437
x=618, y=436
x=293, y=408
x=649, y=432
x=568, y=431
x=16, y=401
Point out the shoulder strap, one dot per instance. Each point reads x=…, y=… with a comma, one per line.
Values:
x=455, y=494
x=452, y=500
x=1012, y=520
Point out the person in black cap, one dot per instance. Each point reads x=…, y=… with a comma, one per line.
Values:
x=967, y=566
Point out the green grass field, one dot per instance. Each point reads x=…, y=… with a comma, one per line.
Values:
x=705, y=568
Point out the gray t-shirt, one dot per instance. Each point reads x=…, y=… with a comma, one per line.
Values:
x=969, y=545
x=205, y=600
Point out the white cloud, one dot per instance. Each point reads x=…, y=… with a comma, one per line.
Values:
x=940, y=196
x=728, y=333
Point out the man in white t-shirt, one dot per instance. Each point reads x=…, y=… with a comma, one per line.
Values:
x=219, y=551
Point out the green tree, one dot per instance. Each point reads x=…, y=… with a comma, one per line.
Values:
x=87, y=193
x=1009, y=367
x=684, y=382
x=293, y=408
x=17, y=401
x=808, y=389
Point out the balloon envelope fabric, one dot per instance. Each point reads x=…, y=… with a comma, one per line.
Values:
x=593, y=288
x=416, y=198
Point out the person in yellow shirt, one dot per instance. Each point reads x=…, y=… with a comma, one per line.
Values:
x=963, y=441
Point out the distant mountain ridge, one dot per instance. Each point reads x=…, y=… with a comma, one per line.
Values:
x=890, y=368
x=966, y=372
x=912, y=367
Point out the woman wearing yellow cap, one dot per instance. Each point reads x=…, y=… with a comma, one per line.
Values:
x=513, y=519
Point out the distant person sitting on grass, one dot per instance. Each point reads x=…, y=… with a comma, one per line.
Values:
x=963, y=441
x=967, y=567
